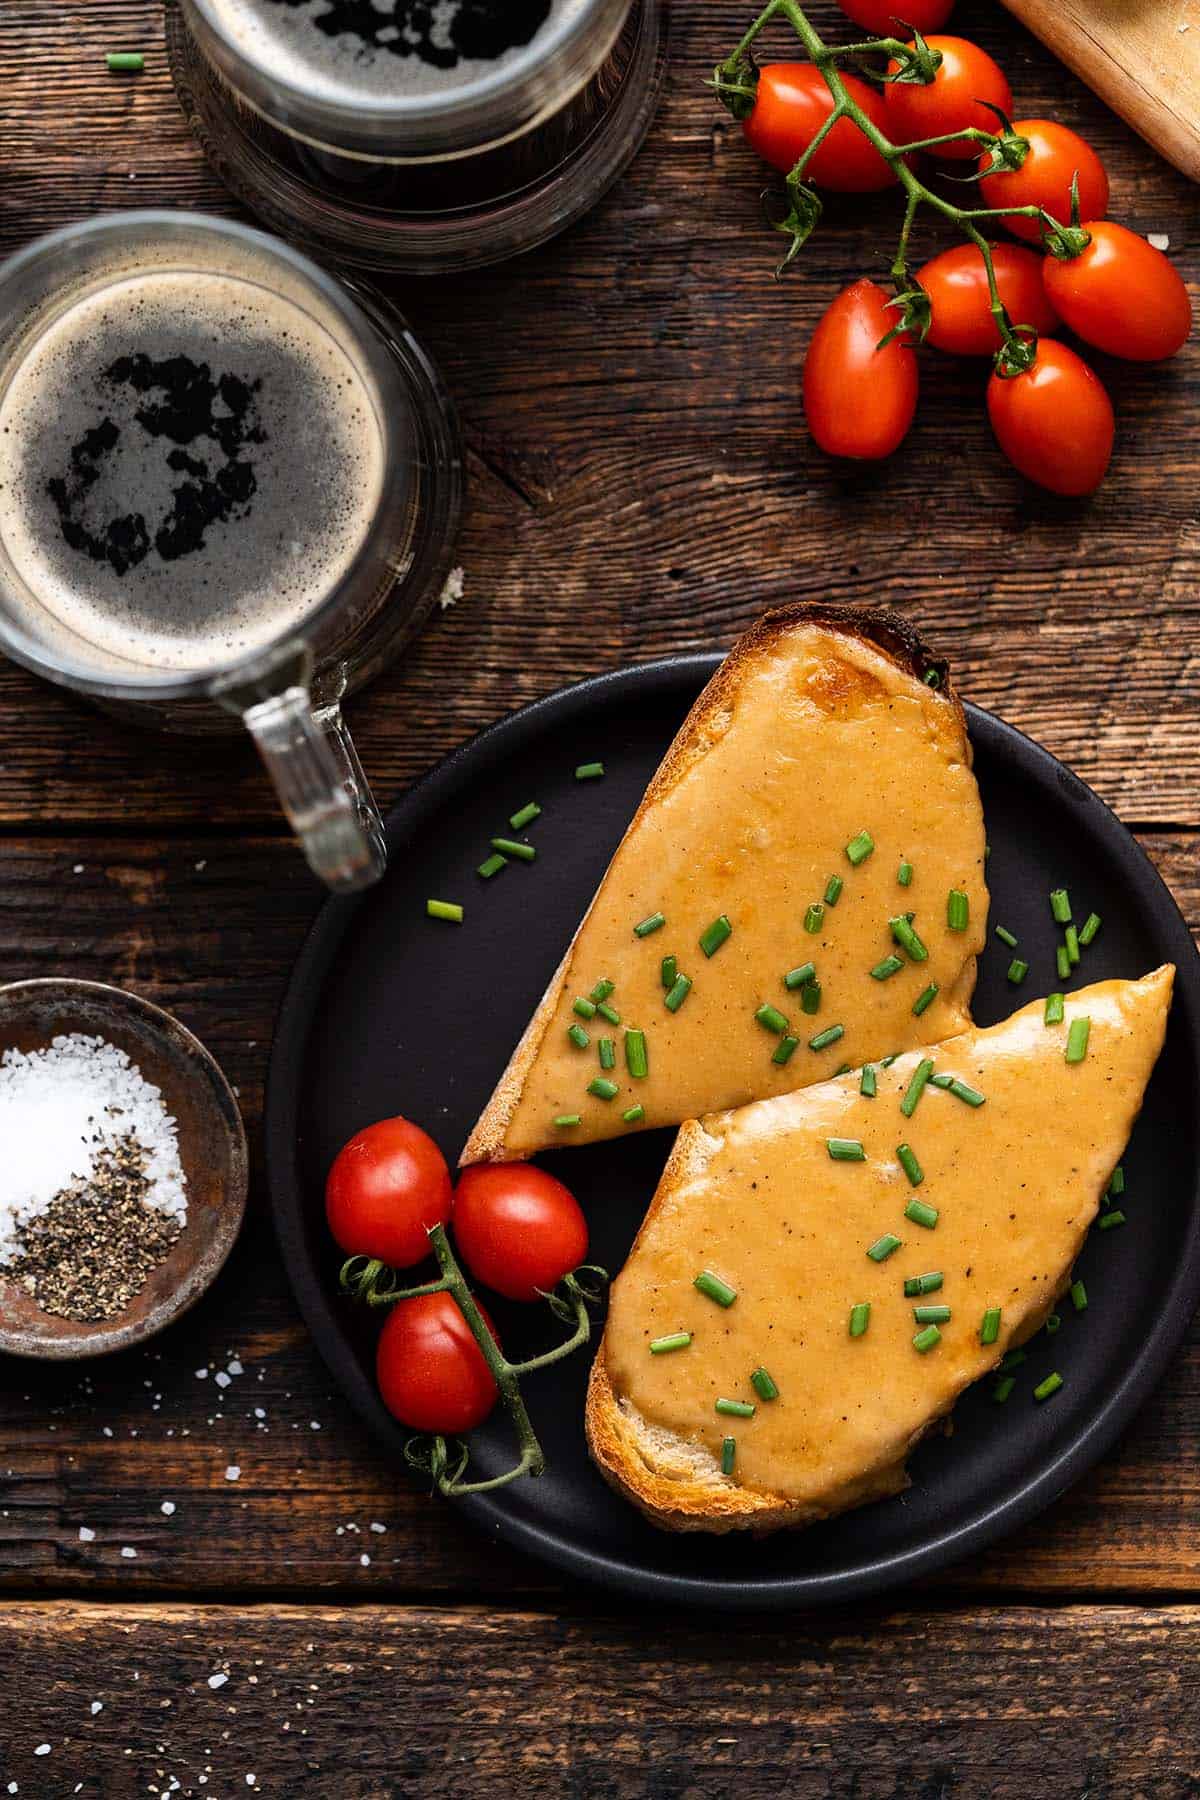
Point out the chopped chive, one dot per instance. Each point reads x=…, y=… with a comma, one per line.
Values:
x=1003, y=1389
x=578, y=1036
x=866, y=1086
x=1053, y=1324
x=785, y=1050
x=922, y=1284
x=678, y=994
x=636, y=1059
x=771, y=1018
x=736, y=1409
x=1077, y=1039
x=763, y=1385
x=675, y=1340
x=1117, y=1183
x=563, y=1120
x=1018, y=969
x=860, y=847
x=989, y=1331
x=885, y=1062
x=927, y=1338
x=810, y=997
x=585, y=1009
x=125, y=62
x=921, y=1214
x=589, y=771
x=1053, y=1014
x=634, y=1116
x=1088, y=929
x=916, y=1087
x=728, y=1455
x=714, y=935
x=924, y=1001
x=601, y=991
x=493, y=865
x=668, y=972
x=800, y=976
x=882, y=1248
x=1051, y=1385
x=1012, y=1359
x=608, y=1012
x=833, y=890
x=1071, y=946
x=510, y=847
x=714, y=1288
x=1062, y=963
x=1079, y=1298
x=830, y=1035
x=603, y=1088
x=445, y=909
x=860, y=1318
x=525, y=816
x=931, y=1315
x=1060, y=906
x=940, y=1081
x=654, y=922
x=911, y=1167
x=608, y=1053
x=906, y=937
x=845, y=1150
x=843, y=1069
x=1110, y=1220
x=1006, y=936
x=969, y=1095
x=891, y=965
x=814, y=918
x=958, y=910
x=904, y=874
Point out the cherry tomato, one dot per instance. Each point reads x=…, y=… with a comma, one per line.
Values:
x=1122, y=295
x=431, y=1373
x=387, y=1187
x=1056, y=155
x=1054, y=422
x=957, y=285
x=859, y=399
x=952, y=101
x=792, y=104
x=519, y=1230
x=892, y=18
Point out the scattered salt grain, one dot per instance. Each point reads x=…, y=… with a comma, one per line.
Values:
x=1158, y=240
x=42, y=1750
x=377, y=1527
x=86, y=1535
x=452, y=592
x=217, y=1681
x=233, y=1472
x=128, y=1552
x=222, y=1379
x=234, y=1367
x=97, y=1707
x=168, y=1507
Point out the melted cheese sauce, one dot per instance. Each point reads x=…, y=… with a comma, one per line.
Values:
x=1016, y=1183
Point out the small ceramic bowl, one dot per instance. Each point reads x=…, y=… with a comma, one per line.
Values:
x=212, y=1148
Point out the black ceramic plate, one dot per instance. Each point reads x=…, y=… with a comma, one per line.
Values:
x=389, y=1012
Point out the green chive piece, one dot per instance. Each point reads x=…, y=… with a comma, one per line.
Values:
x=655, y=922
x=567, y=1119
x=1077, y=1039
x=603, y=1088
x=910, y=1165
x=800, y=976
x=714, y=1288
x=891, y=965
x=833, y=890
x=525, y=816
x=924, y=1001
x=916, y=1087
x=931, y=1315
x=1062, y=963
x=601, y=991
x=904, y=874
x=1018, y=969
x=810, y=997
x=1053, y=1324
x=675, y=1340
x=860, y=1318
x=1117, y=1183
x=882, y=1248
x=885, y=1062
x=510, y=847
x=634, y=1116
x=763, y=1385
x=589, y=771
x=445, y=909
x=927, y=1338
x=1051, y=1385
x=921, y=1214
x=1079, y=1298
x=714, y=935
x=1088, y=929
x=678, y=994
x=1072, y=946
x=923, y=1284
x=866, y=1086
x=969, y=1095
x=669, y=972
x=578, y=1036
x=1012, y=1359
x=1006, y=936
x=608, y=1012
x=785, y=1050
x=636, y=1059
x=830, y=1035
x=814, y=918
x=771, y=1018
x=1053, y=1014
x=1111, y=1220
x=1060, y=906
x=492, y=866
x=845, y=1150
x=584, y=1009
x=728, y=1455
x=843, y=1069
x=736, y=1409
x=1003, y=1389
x=901, y=929
x=125, y=62
x=860, y=847
x=989, y=1331
x=958, y=910
x=608, y=1053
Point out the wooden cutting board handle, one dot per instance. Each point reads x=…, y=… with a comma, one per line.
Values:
x=1141, y=56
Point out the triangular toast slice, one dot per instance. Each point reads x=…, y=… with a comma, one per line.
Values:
x=828, y=748
x=756, y=1199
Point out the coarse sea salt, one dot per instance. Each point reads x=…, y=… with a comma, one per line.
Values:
x=62, y=1105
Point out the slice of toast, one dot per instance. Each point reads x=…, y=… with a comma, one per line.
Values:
x=756, y=1198
x=823, y=724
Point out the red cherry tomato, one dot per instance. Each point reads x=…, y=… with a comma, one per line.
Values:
x=957, y=285
x=792, y=104
x=386, y=1189
x=952, y=101
x=431, y=1373
x=1055, y=421
x=1122, y=295
x=518, y=1229
x=1056, y=154
x=895, y=18
x=859, y=399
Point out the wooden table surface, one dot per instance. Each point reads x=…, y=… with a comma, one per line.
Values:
x=640, y=483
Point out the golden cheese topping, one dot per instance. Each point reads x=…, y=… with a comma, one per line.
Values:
x=754, y=1197
x=819, y=738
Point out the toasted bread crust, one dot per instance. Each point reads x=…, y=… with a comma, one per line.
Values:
x=878, y=627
